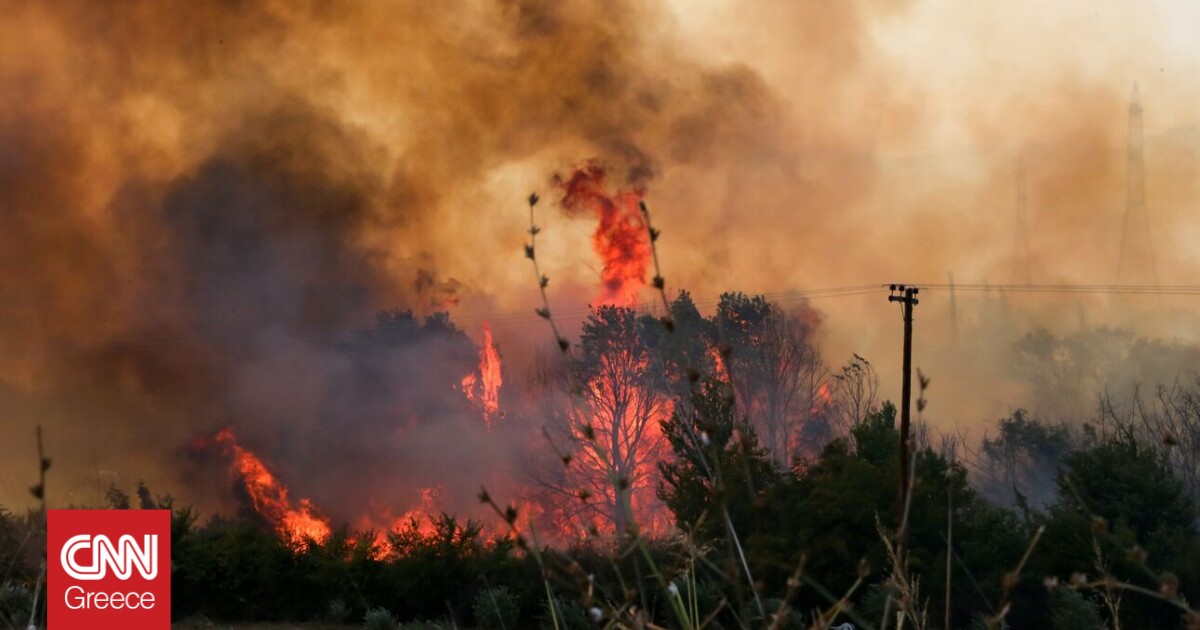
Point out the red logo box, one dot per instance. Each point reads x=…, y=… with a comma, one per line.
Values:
x=108, y=570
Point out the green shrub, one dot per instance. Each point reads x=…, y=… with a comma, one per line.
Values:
x=496, y=608
x=379, y=619
x=1070, y=610
x=708, y=598
x=571, y=615
x=336, y=611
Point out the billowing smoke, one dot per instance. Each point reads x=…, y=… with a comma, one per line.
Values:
x=205, y=207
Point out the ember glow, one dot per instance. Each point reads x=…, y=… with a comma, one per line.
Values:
x=719, y=364
x=297, y=523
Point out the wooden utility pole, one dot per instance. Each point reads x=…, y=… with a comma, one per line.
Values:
x=907, y=297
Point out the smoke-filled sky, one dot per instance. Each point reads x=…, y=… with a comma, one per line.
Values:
x=195, y=197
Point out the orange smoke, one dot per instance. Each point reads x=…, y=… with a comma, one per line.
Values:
x=484, y=389
x=297, y=524
x=620, y=239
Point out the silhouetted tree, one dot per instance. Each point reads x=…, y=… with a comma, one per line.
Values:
x=1121, y=511
x=718, y=466
x=1020, y=463
x=777, y=373
x=688, y=352
x=1066, y=374
x=855, y=392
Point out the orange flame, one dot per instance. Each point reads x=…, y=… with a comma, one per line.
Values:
x=301, y=523
x=822, y=400
x=297, y=524
x=382, y=520
x=722, y=372
x=485, y=391
x=623, y=244
x=620, y=239
x=468, y=386
x=424, y=514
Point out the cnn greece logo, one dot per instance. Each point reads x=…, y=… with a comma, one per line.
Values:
x=122, y=558
x=108, y=572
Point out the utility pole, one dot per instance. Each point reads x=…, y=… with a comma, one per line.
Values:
x=907, y=297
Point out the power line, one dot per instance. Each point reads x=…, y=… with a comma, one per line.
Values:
x=1097, y=289
x=576, y=313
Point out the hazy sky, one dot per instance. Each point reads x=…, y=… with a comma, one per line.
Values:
x=958, y=54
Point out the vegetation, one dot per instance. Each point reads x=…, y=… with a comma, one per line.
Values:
x=496, y=608
x=1120, y=523
x=782, y=481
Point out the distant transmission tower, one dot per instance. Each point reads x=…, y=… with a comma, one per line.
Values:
x=1135, y=265
x=1022, y=274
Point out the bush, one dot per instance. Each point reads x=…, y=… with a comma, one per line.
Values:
x=571, y=615
x=1070, y=610
x=708, y=598
x=496, y=608
x=337, y=611
x=379, y=619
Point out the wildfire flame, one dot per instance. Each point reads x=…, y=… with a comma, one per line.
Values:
x=424, y=513
x=722, y=372
x=302, y=522
x=297, y=524
x=822, y=401
x=382, y=520
x=484, y=389
x=621, y=441
x=632, y=437
x=620, y=239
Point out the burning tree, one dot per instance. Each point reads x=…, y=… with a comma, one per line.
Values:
x=611, y=426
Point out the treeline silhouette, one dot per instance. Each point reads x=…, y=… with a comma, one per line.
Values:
x=806, y=478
